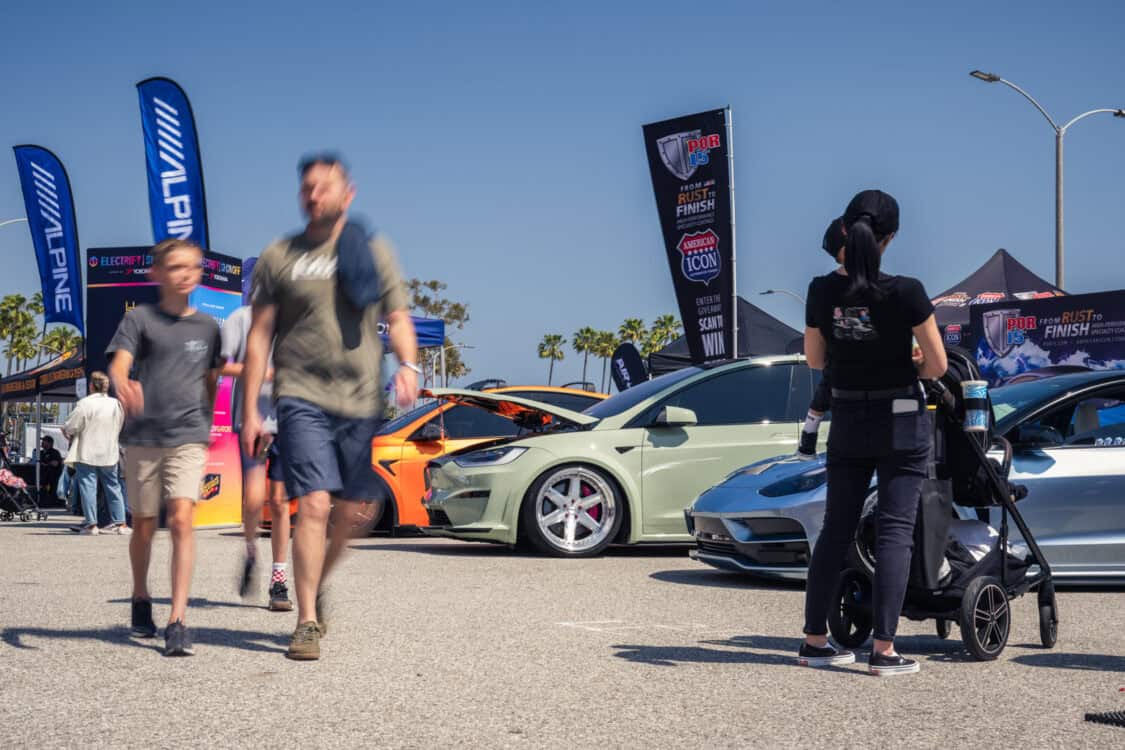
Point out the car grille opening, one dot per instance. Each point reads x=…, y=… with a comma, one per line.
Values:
x=438, y=517
x=717, y=548
x=763, y=528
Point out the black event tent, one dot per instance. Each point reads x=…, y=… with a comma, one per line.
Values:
x=52, y=382
x=759, y=333
x=1001, y=278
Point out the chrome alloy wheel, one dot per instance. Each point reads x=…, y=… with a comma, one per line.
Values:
x=575, y=509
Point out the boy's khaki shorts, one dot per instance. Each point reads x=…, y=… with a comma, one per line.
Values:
x=154, y=475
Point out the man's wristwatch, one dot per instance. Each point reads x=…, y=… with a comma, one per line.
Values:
x=412, y=366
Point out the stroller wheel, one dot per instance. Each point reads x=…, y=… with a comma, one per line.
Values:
x=25, y=517
x=944, y=628
x=849, y=620
x=1048, y=615
x=5, y=515
x=42, y=516
x=986, y=618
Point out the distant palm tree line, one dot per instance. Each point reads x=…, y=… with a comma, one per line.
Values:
x=589, y=341
x=25, y=335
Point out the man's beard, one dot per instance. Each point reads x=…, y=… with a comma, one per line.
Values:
x=325, y=221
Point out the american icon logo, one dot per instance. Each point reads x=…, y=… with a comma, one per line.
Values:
x=211, y=486
x=953, y=334
x=701, y=261
x=683, y=153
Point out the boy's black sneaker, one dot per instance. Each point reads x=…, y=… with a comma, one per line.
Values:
x=829, y=656
x=246, y=583
x=279, y=598
x=177, y=642
x=889, y=666
x=806, y=446
x=143, y=626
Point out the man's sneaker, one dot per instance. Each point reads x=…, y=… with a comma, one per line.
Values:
x=120, y=529
x=246, y=584
x=279, y=598
x=829, y=656
x=305, y=643
x=881, y=665
x=143, y=626
x=806, y=446
x=177, y=642
x=89, y=530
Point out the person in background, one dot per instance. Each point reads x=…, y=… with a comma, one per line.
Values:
x=862, y=322
x=174, y=351
x=93, y=428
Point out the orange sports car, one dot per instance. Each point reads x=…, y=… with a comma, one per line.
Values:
x=404, y=445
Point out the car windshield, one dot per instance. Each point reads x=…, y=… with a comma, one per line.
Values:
x=1010, y=402
x=628, y=399
x=401, y=421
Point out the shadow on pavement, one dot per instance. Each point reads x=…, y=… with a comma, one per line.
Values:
x=1090, y=662
x=240, y=639
x=719, y=579
x=194, y=603
x=479, y=549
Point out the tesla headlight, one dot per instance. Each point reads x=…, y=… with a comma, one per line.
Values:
x=490, y=457
x=803, y=482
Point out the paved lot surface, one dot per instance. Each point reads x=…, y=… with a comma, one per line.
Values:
x=442, y=644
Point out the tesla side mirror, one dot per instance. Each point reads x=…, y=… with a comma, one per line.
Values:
x=428, y=433
x=675, y=416
x=1038, y=436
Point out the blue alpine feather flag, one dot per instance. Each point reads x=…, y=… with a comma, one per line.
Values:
x=54, y=232
x=176, y=199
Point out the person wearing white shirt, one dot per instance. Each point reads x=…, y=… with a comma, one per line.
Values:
x=94, y=425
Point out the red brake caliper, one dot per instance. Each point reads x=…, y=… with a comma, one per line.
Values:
x=595, y=512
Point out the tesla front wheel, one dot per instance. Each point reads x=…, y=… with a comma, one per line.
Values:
x=572, y=511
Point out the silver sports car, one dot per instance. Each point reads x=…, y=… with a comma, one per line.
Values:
x=1068, y=435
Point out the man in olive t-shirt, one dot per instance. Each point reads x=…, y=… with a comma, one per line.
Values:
x=327, y=354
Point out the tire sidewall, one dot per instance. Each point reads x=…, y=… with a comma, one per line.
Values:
x=529, y=525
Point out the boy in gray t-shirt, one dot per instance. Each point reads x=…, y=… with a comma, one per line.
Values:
x=164, y=368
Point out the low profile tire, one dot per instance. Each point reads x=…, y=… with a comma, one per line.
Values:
x=572, y=511
x=986, y=618
x=1048, y=615
x=849, y=618
x=944, y=628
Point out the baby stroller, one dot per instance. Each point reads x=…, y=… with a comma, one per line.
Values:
x=15, y=500
x=947, y=582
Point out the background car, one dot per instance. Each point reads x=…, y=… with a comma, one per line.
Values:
x=1068, y=437
x=621, y=471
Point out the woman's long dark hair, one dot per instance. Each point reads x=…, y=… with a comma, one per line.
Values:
x=871, y=216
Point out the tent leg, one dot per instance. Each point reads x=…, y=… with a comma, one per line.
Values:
x=38, y=440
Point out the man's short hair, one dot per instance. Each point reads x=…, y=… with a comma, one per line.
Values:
x=161, y=249
x=99, y=382
x=49, y=440
x=327, y=158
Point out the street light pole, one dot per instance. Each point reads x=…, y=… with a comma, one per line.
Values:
x=444, y=378
x=794, y=295
x=11, y=221
x=1060, y=133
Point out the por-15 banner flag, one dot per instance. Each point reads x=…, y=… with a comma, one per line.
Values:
x=54, y=233
x=691, y=177
x=176, y=200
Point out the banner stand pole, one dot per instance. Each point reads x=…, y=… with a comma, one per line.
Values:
x=733, y=234
x=38, y=442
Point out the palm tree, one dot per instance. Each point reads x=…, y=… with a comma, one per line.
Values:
x=666, y=329
x=632, y=330
x=583, y=342
x=652, y=342
x=61, y=339
x=551, y=347
x=605, y=343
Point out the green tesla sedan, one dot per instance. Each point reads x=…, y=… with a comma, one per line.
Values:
x=623, y=470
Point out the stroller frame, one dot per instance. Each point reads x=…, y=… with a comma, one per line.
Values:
x=977, y=599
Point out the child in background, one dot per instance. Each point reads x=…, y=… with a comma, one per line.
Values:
x=833, y=244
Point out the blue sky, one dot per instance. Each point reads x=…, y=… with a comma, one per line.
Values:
x=499, y=144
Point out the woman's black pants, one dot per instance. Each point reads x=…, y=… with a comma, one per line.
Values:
x=866, y=438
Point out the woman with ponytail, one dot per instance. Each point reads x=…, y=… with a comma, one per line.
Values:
x=864, y=320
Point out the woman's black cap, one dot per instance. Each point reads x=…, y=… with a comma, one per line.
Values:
x=880, y=209
x=834, y=237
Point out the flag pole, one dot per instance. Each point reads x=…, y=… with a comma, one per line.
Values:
x=733, y=242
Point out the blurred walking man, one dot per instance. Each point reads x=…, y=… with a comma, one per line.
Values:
x=256, y=485
x=93, y=427
x=173, y=351
x=319, y=299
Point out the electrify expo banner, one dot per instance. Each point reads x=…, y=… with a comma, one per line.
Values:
x=1068, y=334
x=175, y=173
x=117, y=281
x=54, y=233
x=687, y=157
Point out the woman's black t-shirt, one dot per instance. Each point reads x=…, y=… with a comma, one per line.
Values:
x=869, y=343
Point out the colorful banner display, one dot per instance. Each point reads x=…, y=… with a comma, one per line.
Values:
x=628, y=369
x=1067, y=334
x=688, y=160
x=54, y=233
x=176, y=199
x=117, y=281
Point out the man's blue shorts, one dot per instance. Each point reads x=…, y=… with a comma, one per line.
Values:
x=326, y=452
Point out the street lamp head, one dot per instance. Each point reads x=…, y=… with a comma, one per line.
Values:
x=980, y=75
x=1119, y=113
x=768, y=291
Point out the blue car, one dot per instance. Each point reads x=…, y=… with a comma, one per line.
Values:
x=1068, y=436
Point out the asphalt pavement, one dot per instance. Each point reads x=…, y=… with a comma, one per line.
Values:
x=447, y=644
